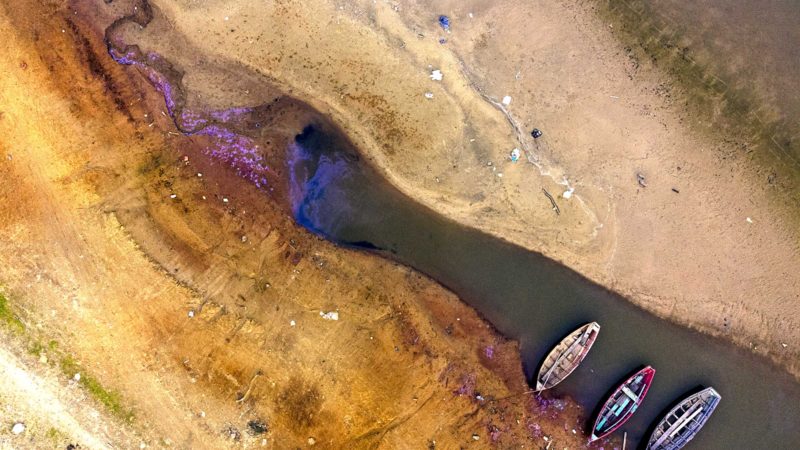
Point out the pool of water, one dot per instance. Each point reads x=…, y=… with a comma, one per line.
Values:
x=536, y=301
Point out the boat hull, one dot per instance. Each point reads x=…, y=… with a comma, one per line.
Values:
x=566, y=356
x=684, y=421
x=623, y=402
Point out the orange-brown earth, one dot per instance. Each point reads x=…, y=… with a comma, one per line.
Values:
x=144, y=305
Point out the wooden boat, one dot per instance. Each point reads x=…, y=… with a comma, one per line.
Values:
x=683, y=422
x=621, y=405
x=566, y=356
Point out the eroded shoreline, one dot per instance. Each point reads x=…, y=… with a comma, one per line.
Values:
x=170, y=102
x=194, y=295
x=709, y=242
x=180, y=233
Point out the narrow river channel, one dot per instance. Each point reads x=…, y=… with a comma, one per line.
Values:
x=536, y=301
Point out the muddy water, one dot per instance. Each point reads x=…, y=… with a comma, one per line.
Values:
x=526, y=296
x=536, y=301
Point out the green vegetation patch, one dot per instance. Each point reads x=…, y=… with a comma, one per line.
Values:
x=110, y=399
x=8, y=318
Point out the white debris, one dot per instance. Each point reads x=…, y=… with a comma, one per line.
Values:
x=471, y=15
x=18, y=428
x=244, y=238
x=332, y=315
x=568, y=192
x=191, y=314
x=292, y=323
x=515, y=154
x=507, y=100
x=173, y=196
x=77, y=377
x=436, y=75
x=200, y=175
x=749, y=220
x=784, y=345
x=225, y=200
x=500, y=175
x=311, y=441
x=142, y=445
x=475, y=437
x=429, y=95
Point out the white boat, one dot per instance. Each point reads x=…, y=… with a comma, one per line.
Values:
x=566, y=356
x=683, y=422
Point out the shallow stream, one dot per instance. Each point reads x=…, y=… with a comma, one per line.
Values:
x=536, y=301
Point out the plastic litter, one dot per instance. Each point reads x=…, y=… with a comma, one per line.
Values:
x=515, y=154
x=641, y=180
x=436, y=75
x=444, y=22
x=18, y=428
x=429, y=95
x=536, y=133
x=568, y=193
x=507, y=100
x=332, y=315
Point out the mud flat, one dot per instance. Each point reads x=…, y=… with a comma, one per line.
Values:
x=194, y=309
x=711, y=239
x=174, y=280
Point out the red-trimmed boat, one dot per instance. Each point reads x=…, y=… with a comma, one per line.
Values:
x=621, y=405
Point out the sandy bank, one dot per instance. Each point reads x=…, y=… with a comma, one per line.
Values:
x=709, y=242
x=195, y=297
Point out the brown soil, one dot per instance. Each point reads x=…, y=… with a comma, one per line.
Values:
x=195, y=321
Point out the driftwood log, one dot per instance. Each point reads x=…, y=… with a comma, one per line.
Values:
x=552, y=201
